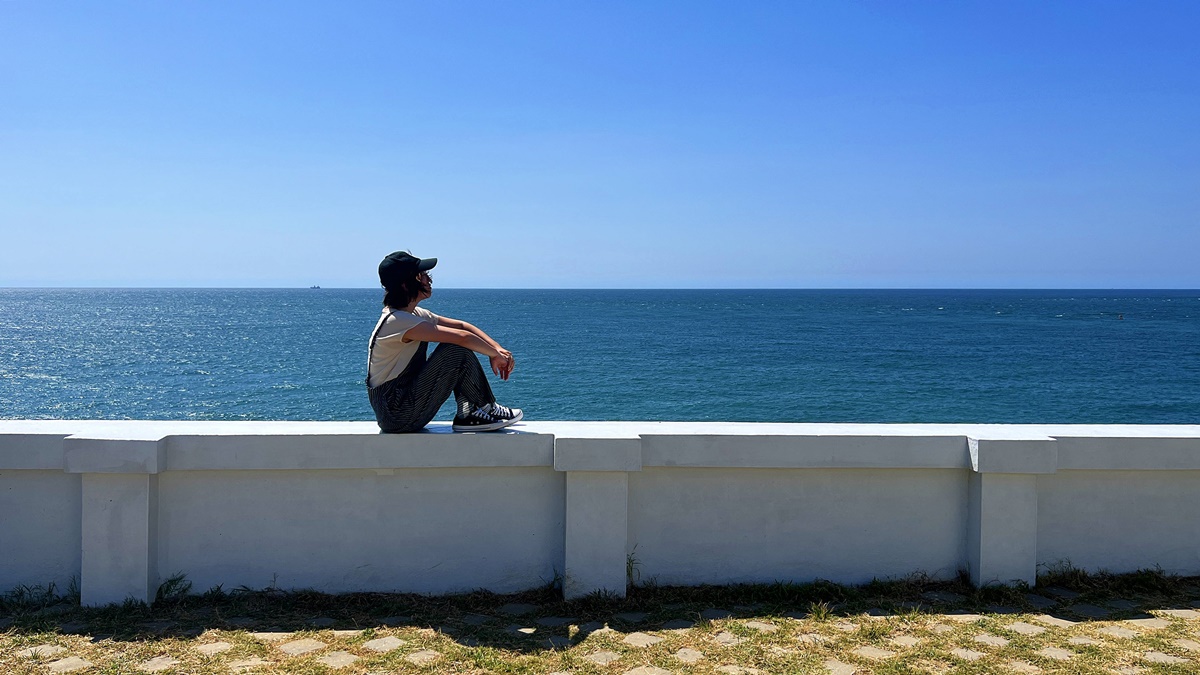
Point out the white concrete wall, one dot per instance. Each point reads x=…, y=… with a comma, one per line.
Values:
x=339, y=507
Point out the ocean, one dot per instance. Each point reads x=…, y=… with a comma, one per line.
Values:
x=932, y=356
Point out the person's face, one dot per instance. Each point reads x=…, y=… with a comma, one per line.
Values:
x=426, y=280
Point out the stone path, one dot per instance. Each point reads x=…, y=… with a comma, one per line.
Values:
x=739, y=641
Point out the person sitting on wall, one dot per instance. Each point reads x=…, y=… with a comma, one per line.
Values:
x=406, y=388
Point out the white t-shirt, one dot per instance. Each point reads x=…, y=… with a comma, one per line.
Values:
x=392, y=354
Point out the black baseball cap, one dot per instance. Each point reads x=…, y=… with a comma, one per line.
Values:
x=401, y=266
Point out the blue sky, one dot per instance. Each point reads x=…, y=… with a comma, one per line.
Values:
x=601, y=144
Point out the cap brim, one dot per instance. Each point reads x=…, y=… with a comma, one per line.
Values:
x=426, y=264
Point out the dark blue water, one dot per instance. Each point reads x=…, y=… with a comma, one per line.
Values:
x=774, y=355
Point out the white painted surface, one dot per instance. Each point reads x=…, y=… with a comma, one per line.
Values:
x=715, y=526
x=39, y=527
x=337, y=506
x=597, y=533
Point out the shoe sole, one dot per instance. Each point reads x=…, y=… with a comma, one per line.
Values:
x=495, y=426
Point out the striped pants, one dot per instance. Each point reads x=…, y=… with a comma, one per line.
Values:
x=407, y=403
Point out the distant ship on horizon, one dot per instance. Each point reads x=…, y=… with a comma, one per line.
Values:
x=316, y=287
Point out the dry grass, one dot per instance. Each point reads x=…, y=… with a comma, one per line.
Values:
x=779, y=628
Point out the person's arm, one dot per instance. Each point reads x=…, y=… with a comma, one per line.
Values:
x=464, y=334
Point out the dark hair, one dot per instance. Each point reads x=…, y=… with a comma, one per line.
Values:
x=400, y=294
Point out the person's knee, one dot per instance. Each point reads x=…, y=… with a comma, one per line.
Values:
x=446, y=350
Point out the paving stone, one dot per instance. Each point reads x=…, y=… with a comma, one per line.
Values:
x=940, y=628
x=1040, y=601
x=41, y=651
x=338, y=659
x=213, y=648
x=1181, y=613
x=73, y=627
x=1190, y=645
x=714, y=614
x=945, y=597
x=762, y=626
x=811, y=639
x=647, y=670
x=873, y=653
x=602, y=658
x=836, y=667
x=876, y=613
x=1159, y=657
x=247, y=664
x=1130, y=670
x=1057, y=622
x=348, y=633
x=69, y=665
x=967, y=654
x=962, y=617
x=1090, y=611
x=989, y=639
x=322, y=622
x=1121, y=604
x=423, y=657
x=271, y=636
x=557, y=642
x=798, y=616
x=739, y=670
x=687, y=655
x=1025, y=628
x=520, y=630
x=298, y=647
x=846, y=626
x=631, y=617
x=468, y=641
x=595, y=627
x=476, y=619
x=517, y=609
x=905, y=641
x=1154, y=623
x=1056, y=653
x=158, y=663
x=1059, y=592
x=555, y=621
x=728, y=639
x=1118, y=632
x=677, y=624
x=641, y=639
x=1022, y=667
x=1082, y=640
x=384, y=644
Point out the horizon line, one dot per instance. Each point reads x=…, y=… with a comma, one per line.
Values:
x=613, y=288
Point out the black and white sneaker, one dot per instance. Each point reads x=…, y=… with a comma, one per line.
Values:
x=490, y=417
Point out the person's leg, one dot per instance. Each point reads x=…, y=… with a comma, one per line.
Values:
x=450, y=369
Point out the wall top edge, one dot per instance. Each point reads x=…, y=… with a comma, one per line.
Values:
x=151, y=430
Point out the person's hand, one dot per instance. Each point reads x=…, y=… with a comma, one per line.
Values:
x=502, y=363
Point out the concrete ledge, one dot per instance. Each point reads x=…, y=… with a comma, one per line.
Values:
x=338, y=506
x=1119, y=453
x=578, y=454
x=378, y=451
x=1013, y=456
x=31, y=451
x=806, y=452
x=101, y=455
